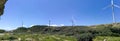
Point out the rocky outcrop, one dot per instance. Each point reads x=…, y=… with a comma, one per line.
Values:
x=2, y=6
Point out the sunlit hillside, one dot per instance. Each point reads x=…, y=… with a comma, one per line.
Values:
x=68, y=33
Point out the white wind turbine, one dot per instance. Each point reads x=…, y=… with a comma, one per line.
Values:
x=112, y=7
x=22, y=23
x=49, y=23
x=73, y=21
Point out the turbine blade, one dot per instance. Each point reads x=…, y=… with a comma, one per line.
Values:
x=117, y=6
x=106, y=7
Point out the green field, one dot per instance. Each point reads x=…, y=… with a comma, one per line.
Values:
x=37, y=37
x=107, y=38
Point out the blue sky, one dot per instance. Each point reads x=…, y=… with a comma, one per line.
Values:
x=38, y=12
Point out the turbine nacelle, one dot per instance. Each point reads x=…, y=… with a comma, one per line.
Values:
x=112, y=5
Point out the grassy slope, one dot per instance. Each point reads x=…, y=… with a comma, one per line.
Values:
x=41, y=37
x=108, y=38
x=67, y=30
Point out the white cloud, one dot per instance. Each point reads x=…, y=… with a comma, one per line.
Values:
x=50, y=25
x=62, y=25
x=53, y=25
x=24, y=26
x=31, y=25
x=8, y=28
x=56, y=25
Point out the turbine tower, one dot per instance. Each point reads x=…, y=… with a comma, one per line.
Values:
x=49, y=23
x=113, y=13
x=73, y=21
x=112, y=7
x=22, y=22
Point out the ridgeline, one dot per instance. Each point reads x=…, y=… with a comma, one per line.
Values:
x=82, y=33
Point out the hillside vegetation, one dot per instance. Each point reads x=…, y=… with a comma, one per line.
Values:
x=106, y=38
x=36, y=37
x=80, y=33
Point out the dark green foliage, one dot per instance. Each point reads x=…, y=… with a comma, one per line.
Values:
x=2, y=31
x=2, y=3
x=85, y=37
x=21, y=30
x=115, y=30
x=85, y=33
x=38, y=28
x=11, y=38
x=8, y=38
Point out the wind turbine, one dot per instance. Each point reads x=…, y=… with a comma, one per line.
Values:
x=49, y=22
x=112, y=7
x=49, y=25
x=73, y=21
x=22, y=23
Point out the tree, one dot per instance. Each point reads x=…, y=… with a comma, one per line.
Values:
x=2, y=3
x=2, y=31
x=85, y=37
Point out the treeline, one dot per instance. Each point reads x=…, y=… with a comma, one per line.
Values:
x=82, y=33
x=2, y=31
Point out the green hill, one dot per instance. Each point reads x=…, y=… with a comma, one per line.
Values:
x=80, y=33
